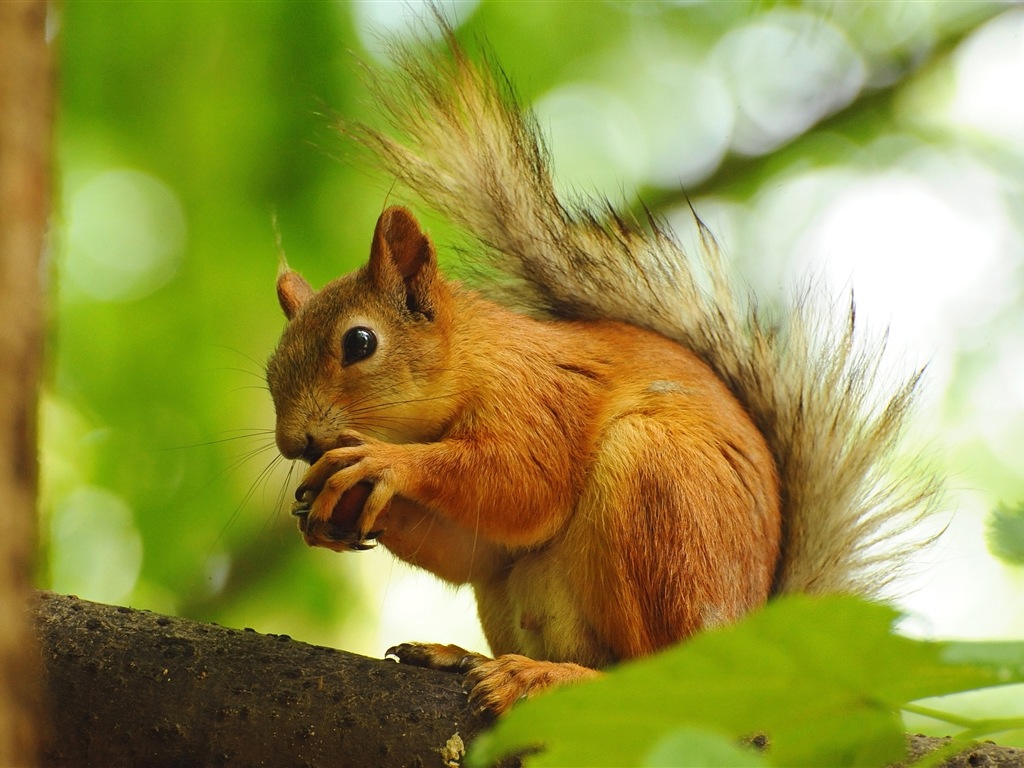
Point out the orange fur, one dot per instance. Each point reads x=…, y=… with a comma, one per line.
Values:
x=598, y=486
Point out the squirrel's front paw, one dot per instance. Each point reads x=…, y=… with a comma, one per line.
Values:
x=340, y=531
x=343, y=494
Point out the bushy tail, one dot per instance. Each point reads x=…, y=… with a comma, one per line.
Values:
x=458, y=139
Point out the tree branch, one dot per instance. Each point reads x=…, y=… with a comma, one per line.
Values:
x=131, y=687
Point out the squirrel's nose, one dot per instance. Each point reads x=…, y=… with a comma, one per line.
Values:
x=310, y=447
x=300, y=446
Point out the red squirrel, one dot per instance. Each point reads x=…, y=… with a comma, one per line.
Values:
x=620, y=453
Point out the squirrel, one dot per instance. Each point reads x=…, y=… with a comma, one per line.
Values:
x=607, y=439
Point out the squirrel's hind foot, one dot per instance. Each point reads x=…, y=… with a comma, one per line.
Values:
x=495, y=684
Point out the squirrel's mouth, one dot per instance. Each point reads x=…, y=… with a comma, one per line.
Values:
x=314, y=447
x=312, y=452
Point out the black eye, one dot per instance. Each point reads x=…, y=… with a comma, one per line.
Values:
x=359, y=343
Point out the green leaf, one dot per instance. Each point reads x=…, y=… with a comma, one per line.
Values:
x=693, y=748
x=824, y=678
x=1003, y=659
x=1006, y=534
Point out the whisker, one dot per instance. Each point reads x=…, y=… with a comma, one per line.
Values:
x=243, y=434
x=261, y=365
x=246, y=371
x=238, y=461
x=476, y=540
x=390, y=387
x=381, y=433
x=411, y=401
x=217, y=441
x=261, y=478
x=282, y=494
x=261, y=387
x=430, y=527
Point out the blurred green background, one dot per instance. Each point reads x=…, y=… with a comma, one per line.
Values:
x=879, y=145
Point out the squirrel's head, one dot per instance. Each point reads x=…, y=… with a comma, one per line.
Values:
x=369, y=351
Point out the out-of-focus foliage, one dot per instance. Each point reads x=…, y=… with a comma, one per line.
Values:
x=183, y=129
x=1006, y=534
x=186, y=128
x=823, y=678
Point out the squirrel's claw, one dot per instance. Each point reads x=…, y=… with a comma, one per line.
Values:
x=369, y=541
x=337, y=535
x=449, y=658
x=303, y=503
x=351, y=539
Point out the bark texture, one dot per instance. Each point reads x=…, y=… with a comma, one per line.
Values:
x=26, y=94
x=133, y=688
x=983, y=754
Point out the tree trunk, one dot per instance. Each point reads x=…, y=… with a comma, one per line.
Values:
x=26, y=94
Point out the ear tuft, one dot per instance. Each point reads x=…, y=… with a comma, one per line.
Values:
x=292, y=292
x=402, y=259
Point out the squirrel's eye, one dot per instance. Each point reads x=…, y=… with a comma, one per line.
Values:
x=359, y=343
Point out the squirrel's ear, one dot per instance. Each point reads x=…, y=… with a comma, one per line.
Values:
x=402, y=259
x=292, y=292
